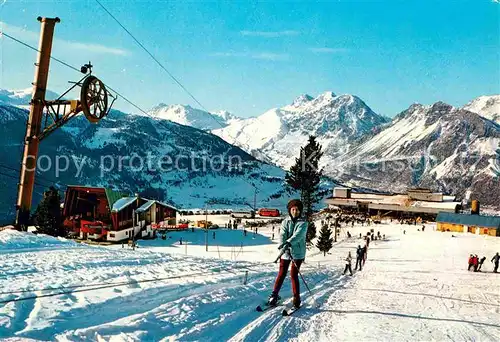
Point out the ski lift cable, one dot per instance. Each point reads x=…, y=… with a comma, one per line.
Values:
x=35, y=49
x=171, y=75
x=122, y=96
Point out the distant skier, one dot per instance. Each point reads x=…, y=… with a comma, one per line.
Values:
x=244, y=232
x=180, y=240
x=365, y=253
x=495, y=259
x=475, y=260
x=423, y=227
x=348, y=263
x=359, y=257
x=292, y=240
x=471, y=262
x=481, y=263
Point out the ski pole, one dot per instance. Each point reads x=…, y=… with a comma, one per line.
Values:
x=305, y=283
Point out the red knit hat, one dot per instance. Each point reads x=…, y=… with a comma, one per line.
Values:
x=295, y=203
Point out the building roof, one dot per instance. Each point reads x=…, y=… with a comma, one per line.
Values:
x=111, y=195
x=394, y=202
x=470, y=220
x=123, y=202
x=167, y=205
x=149, y=203
x=145, y=206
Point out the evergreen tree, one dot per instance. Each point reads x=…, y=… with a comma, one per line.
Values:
x=304, y=176
x=311, y=231
x=48, y=214
x=325, y=240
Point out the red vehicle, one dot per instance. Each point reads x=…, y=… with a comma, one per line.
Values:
x=269, y=212
x=95, y=228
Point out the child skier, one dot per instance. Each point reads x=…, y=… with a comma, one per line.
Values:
x=348, y=263
x=293, y=240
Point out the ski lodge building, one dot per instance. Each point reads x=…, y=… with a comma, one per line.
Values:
x=99, y=213
x=416, y=202
x=469, y=223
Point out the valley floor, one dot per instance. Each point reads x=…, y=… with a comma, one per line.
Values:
x=414, y=286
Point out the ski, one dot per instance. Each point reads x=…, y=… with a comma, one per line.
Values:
x=265, y=307
x=289, y=312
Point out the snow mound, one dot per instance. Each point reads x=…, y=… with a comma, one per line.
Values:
x=13, y=239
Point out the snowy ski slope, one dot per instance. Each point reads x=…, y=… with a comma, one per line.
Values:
x=414, y=286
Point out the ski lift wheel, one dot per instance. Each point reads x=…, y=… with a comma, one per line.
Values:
x=94, y=99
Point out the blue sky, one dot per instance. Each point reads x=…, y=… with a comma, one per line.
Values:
x=249, y=57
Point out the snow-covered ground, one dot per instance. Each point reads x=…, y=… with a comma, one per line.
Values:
x=414, y=287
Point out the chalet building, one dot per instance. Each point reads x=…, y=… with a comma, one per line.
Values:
x=99, y=213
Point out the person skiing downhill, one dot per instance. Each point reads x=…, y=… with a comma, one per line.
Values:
x=292, y=237
x=495, y=259
x=359, y=257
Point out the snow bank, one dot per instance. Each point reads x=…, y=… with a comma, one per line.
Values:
x=13, y=239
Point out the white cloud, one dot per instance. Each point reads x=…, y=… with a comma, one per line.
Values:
x=33, y=37
x=270, y=34
x=228, y=54
x=327, y=50
x=270, y=56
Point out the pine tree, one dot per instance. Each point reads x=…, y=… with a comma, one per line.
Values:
x=325, y=240
x=48, y=214
x=311, y=231
x=304, y=176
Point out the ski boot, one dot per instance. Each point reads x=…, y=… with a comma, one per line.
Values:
x=296, y=302
x=273, y=299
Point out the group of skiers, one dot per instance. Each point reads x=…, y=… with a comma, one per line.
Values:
x=361, y=253
x=231, y=225
x=475, y=263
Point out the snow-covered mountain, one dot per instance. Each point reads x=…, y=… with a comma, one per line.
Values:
x=22, y=97
x=278, y=134
x=438, y=146
x=189, y=167
x=486, y=106
x=189, y=116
